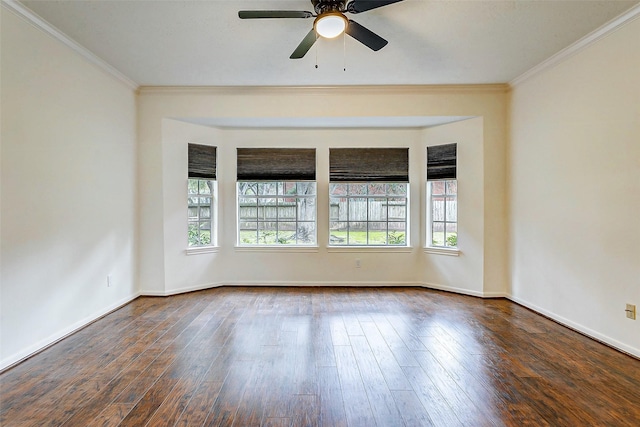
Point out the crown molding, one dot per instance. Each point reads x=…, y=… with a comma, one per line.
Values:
x=588, y=40
x=28, y=15
x=324, y=90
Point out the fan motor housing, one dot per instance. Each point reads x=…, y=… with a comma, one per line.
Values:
x=324, y=6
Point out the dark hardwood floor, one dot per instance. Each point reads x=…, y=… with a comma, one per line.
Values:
x=323, y=357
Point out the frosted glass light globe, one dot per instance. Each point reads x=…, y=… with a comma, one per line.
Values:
x=330, y=25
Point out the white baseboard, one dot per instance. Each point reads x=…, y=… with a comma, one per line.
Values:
x=364, y=284
x=462, y=291
x=578, y=327
x=43, y=344
x=278, y=284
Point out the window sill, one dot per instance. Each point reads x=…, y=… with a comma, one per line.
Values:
x=202, y=250
x=442, y=251
x=276, y=249
x=370, y=249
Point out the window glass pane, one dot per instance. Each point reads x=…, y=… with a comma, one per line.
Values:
x=397, y=209
x=397, y=189
x=205, y=201
x=452, y=209
x=338, y=209
x=437, y=208
x=377, y=233
x=377, y=209
x=357, y=236
x=267, y=233
x=397, y=233
x=357, y=209
x=205, y=213
x=248, y=188
x=193, y=234
x=306, y=233
x=193, y=213
x=451, y=234
x=377, y=189
x=286, y=209
x=338, y=233
x=267, y=209
x=205, y=186
x=357, y=189
x=306, y=188
x=306, y=209
x=192, y=201
x=192, y=187
x=248, y=237
x=338, y=189
x=205, y=237
x=437, y=234
x=452, y=187
x=437, y=187
x=267, y=188
x=290, y=188
x=286, y=233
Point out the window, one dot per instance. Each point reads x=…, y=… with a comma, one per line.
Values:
x=442, y=196
x=201, y=195
x=368, y=196
x=276, y=196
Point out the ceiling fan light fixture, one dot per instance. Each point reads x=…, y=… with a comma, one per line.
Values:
x=330, y=24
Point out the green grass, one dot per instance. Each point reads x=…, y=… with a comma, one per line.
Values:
x=360, y=238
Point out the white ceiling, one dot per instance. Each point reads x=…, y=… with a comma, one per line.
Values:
x=204, y=43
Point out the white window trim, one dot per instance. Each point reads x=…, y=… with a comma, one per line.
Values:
x=441, y=251
x=197, y=250
x=192, y=250
x=429, y=248
x=352, y=248
x=370, y=249
x=278, y=248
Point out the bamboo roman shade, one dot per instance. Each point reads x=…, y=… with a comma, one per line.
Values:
x=369, y=164
x=441, y=162
x=202, y=161
x=276, y=164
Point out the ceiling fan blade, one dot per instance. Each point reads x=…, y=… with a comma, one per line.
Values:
x=357, y=6
x=365, y=36
x=262, y=14
x=304, y=45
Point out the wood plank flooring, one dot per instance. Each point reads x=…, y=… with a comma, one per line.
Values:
x=323, y=357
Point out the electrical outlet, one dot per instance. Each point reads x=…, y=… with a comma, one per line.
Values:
x=109, y=280
x=631, y=311
x=358, y=263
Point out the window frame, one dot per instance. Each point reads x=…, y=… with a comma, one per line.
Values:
x=368, y=197
x=444, y=222
x=213, y=214
x=278, y=195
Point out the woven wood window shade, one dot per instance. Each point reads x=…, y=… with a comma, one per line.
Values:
x=276, y=164
x=369, y=164
x=441, y=162
x=202, y=161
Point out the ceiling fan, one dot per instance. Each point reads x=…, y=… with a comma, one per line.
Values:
x=330, y=21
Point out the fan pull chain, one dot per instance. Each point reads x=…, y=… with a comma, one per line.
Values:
x=344, y=51
x=316, y=50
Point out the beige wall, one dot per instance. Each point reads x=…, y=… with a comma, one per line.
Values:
x=67, y=190
x=162, y=142
x=575, y=189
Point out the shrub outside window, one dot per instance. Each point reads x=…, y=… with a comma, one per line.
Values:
x=370, y=214
x=276, y=213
